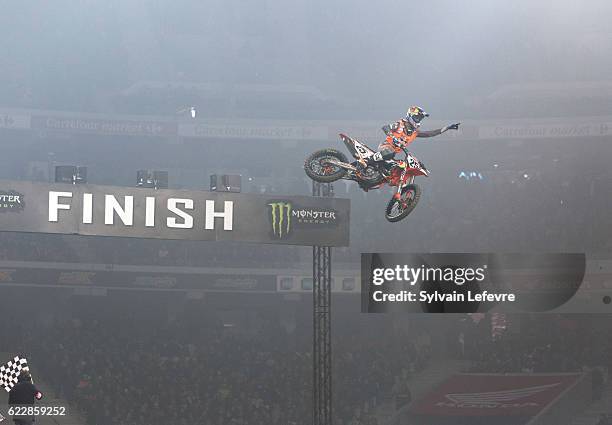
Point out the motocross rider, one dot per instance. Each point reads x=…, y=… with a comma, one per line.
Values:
x=399, y=135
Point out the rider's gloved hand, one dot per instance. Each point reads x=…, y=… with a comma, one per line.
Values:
x=451, y=127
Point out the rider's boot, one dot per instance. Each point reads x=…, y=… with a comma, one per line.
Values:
x=356, y=164
x=386, y=167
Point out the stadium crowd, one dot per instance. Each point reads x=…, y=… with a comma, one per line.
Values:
x=121, y=369
x=503, y=213
x=543, y=344
x=145, y=252
x=35, y=247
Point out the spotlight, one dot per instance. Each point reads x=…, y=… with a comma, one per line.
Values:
x=226, y=183
x=152, y=179
x=191, y=109
x=70, y=174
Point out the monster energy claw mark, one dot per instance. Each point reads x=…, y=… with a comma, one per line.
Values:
x=281, y=218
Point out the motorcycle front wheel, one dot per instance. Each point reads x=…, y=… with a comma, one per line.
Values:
x=319, y=168
x=398, y=209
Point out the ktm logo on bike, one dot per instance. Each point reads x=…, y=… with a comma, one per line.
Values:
x=280, y=217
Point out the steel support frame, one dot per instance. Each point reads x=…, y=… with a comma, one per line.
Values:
x=322, y=367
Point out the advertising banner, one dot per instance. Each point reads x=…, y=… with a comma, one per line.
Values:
x=173, y=214
x=137, y=279
x=9, y=120
x=494, y=395
x=253, y=130
x=104, y=126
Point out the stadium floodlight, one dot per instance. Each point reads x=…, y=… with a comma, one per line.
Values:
x=226, y=183
x=152, y=179
x=70, y=174
x=191, y=109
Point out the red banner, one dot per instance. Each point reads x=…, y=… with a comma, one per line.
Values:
x=494, y=395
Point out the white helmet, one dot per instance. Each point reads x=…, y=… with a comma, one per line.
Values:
x=415, y=115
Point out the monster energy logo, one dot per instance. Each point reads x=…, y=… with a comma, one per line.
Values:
x=11, y=201
x=281, y=218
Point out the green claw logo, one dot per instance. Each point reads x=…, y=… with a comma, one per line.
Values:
x=280, y=215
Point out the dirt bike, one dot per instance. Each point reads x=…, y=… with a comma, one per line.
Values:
x=329, y=165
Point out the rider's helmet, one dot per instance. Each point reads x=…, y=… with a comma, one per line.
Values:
x=414, y=116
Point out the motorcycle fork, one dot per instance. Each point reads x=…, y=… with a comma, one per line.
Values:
x=405, y=180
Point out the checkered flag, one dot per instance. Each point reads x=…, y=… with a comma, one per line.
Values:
x=9, y=373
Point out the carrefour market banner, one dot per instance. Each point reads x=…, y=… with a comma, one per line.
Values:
x=173, y=214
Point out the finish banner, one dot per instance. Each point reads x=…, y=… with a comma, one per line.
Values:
x=173, y=214
x=494, y=395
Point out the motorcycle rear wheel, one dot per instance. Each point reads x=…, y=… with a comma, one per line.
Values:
x=398, y=209
x=317, y=169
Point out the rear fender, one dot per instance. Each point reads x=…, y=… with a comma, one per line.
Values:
x=356, y=148
x=348, y=142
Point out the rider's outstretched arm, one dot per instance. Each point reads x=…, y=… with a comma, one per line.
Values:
x=438, y=131
x=430, y=133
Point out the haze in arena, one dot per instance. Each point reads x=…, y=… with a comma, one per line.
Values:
x=306, y=212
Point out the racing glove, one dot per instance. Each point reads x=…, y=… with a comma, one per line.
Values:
x=451, y=127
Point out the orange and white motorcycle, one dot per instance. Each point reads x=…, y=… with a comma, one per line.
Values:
x=329, y=165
